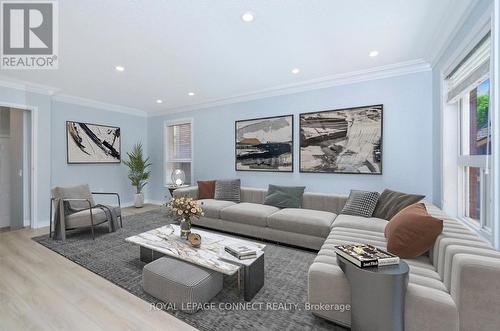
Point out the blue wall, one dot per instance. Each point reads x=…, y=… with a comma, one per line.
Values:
x=51, y=167
x=100, y=177
x=407, y=136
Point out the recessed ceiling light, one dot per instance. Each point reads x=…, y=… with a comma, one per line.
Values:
x=119, y=68
x=159, y=101
x=373, y=53
x=295, y=71
x=248, y=17
x=191, y=94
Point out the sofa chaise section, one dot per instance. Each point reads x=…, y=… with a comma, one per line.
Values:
x=454, y=288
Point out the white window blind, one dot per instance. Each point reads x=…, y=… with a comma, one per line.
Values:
x=471, y=70
x=178, y=147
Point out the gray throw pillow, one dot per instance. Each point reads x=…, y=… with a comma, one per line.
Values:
x=392, y=202
x=228, y=190
x=361, y=203
x=284, y=196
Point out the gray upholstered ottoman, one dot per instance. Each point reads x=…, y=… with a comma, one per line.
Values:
x=182, y=284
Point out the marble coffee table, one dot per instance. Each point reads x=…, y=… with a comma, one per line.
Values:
x=166, y=241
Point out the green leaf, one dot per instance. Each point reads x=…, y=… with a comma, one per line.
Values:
x=138, y=167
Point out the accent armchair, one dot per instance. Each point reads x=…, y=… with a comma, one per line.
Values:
x=75, y=208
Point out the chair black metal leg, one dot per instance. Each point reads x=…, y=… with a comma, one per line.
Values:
x=50, y=220
x=92, y=229
x=121, y=224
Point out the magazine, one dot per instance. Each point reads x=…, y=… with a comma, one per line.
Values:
x=365, y=256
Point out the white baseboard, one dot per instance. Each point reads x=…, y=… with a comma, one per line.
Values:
x=40, y=224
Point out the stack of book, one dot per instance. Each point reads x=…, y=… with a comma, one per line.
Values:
x=241, y=252
x=365, y=256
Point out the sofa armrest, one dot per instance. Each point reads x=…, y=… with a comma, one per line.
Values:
x=475, y=288
x=190, y=191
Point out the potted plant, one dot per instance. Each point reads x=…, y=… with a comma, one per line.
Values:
x=138, y=172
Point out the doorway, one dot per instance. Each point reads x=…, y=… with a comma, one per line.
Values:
x=15, y=168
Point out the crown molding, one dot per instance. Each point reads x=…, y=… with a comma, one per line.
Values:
x=56, y=95
x=27, y=87
x=381, y=72
x=66, y=98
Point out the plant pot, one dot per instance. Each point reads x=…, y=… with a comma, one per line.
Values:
x=139, y=200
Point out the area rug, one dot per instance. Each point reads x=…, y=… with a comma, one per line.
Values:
x=279, y=305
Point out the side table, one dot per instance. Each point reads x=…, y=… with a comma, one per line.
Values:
x=172, y=188
x=377, y=296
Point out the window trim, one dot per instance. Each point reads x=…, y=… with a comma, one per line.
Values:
x=476, y=161
x=166, y=124
x=488, y=21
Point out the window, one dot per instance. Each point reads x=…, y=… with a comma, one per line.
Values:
x=469, y=88
x=178, y=150
x=475, y=149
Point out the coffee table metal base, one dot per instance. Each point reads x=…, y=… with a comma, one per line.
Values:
x=253, y=275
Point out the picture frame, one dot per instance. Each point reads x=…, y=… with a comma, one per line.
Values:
x=325, y=145
x=88, y=143
x=265, y=144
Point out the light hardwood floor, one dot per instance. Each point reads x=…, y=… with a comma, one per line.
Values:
x=41, y=290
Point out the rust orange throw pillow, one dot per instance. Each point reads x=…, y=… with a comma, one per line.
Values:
x=206, y=189
x=412, y=231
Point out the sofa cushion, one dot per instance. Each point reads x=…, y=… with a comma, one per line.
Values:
x=75, y=192
x=211, y=208
x=391, y=202
x=248, y=213
x=361, y=223
x=284, y=196
x=305, y=221
x=361, y=203
x=206, y=189
x=82, y=218
x=228, y=190
x=412, y=231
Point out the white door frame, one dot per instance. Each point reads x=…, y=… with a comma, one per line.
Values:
x=34, y=158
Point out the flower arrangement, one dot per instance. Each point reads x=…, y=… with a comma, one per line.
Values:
x=184, y=208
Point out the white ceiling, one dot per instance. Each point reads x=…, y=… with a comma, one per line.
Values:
x=171, y=47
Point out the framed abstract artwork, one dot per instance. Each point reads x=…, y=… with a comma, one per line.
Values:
x=345, y=141
x=92, y=143
x=264, y=144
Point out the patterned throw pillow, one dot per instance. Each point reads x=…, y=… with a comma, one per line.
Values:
x=228, y=190
x=361, y=203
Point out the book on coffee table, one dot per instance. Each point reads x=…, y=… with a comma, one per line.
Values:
x=365, y=256
x=241, y=252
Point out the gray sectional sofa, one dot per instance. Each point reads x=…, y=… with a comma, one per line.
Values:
x=455, y=287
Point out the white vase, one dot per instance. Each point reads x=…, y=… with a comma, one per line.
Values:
x=139, y=200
